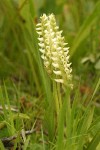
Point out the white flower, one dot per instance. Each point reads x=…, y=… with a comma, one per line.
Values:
x=53, y=50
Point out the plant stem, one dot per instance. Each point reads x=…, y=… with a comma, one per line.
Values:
x=56, y=99
x=59, y=95
x=68, y=118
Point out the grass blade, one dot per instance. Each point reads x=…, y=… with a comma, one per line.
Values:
x=84, y=30
x=95, y=141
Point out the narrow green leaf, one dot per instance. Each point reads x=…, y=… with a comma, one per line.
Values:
x=60, y=139
x=94, y=142
x=85, y=29
x=1, y=146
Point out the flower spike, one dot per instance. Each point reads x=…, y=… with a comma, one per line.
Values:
x=53, y=50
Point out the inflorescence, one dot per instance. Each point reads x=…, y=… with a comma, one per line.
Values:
x=54, y=51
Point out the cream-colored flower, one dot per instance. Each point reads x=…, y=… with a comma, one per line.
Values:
x=53, y=50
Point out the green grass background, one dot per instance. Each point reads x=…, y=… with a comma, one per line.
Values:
x=25, y=84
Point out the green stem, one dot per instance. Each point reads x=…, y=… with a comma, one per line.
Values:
x=59, y=95
x=55, y=95
x=68, y=118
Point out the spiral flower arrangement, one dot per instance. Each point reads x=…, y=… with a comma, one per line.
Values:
x=54, y=50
